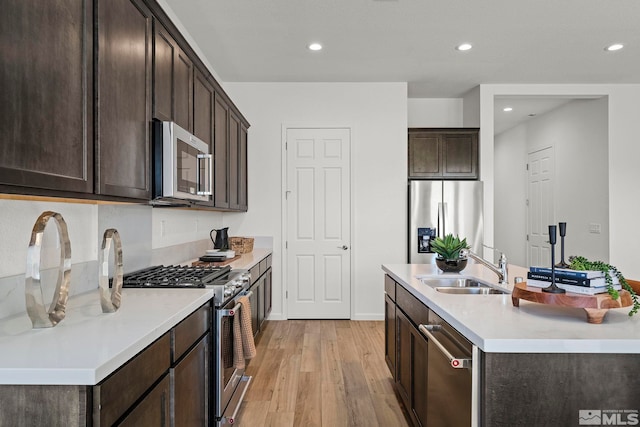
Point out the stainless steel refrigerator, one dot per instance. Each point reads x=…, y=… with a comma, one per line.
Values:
x=437, y=208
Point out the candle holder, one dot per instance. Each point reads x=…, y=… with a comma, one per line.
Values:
x=553, y=289
x=563, y=232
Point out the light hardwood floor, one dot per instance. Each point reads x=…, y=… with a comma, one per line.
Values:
x=320, y=373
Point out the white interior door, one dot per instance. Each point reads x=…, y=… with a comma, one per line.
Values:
x=318, y=224
x=541, y=205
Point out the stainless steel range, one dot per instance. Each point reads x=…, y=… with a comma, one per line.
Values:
x=228, y=383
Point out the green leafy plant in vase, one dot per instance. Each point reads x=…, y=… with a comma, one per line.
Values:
x=582, y=263
x=448, y=250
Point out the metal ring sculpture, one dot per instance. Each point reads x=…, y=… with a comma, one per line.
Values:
x=110, y=300
x=40, y=317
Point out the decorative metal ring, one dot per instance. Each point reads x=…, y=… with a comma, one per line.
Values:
x=110, y=300
x=40, y=317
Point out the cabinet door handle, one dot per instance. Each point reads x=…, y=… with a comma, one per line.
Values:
x=453, y=361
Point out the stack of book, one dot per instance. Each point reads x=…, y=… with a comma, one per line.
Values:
x=586, y=282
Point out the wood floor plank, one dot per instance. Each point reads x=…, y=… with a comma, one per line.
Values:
x=330, y=361
x=309, y=401
x=279, y=334
x=311, y=352
x=328, y=330
x=388, y=411
x=359, y=403
x=346, y=344
x=278, y=419
x=286, y=389
x=253, y=413
x=334, y=405
x=264, y=381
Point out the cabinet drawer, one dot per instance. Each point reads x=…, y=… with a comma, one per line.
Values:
x=187, y=332
x=255, y=273
x=123, y=388
x=415, y=310
x=390, y=287
x=263, y=266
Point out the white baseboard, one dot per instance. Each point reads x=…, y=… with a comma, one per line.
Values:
x=359, y=317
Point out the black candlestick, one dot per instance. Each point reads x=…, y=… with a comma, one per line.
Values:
x=563, y=232
x=553, y=289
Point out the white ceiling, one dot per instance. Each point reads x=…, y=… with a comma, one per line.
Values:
x=515, y=41
x=413, y=41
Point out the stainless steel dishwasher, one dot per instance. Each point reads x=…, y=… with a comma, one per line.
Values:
x=449, y=374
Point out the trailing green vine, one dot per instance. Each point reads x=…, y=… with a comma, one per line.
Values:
x=581, y=263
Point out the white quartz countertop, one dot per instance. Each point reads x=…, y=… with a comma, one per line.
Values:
x=88, y=345
x=493, y=324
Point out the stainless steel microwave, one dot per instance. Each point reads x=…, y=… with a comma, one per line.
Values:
x=182, y=165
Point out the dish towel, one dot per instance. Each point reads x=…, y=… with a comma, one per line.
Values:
x=243, y=345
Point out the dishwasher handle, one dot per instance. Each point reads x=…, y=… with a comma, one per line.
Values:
x=453, y=361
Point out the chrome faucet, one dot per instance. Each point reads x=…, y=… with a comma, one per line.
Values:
x=500, y=269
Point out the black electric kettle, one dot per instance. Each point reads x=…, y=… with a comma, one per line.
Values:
x=221, y=241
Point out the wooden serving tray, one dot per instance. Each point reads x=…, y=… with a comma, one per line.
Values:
x=596, y=306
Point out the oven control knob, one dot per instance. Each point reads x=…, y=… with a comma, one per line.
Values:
x=228, y=292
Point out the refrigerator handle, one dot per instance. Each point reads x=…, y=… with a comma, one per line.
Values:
x=445, y=214
x=440, y=220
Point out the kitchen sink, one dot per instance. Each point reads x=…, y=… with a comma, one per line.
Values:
x=469, y=291
x=462, y=286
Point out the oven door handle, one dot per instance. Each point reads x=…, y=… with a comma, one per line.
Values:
x=229, y=313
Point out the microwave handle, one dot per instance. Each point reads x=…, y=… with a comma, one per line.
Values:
x=209, y=160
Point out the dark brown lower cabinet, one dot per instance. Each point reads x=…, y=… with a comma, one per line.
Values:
x=390, y=334
x=190, y=386
x=403, y=367
x=411, y=379
x=153, y=410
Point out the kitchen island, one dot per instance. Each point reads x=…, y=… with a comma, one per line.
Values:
x=532, y=365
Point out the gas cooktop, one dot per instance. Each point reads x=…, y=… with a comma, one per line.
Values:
x=177, y=276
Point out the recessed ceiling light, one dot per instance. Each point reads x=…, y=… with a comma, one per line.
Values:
x=315, y=46
x=463, y=47
x=614, y=47
x=507, y=109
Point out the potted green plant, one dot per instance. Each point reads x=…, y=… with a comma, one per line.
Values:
x=582, y=263
x=448, y=249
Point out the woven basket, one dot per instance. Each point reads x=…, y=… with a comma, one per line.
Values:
x=242, y=245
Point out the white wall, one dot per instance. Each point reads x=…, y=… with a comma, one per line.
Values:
x=377, y=115
x=511, y=190
x=434, y=112
x=578, y=132
x=623, y=155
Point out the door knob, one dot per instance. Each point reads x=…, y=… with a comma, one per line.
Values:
x=343, y=247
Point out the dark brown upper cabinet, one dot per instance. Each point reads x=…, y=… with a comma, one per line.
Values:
x=234, y=162
x=124, y=99
x=243, y=203
x=46, y=84
x=172, y=80
x=443, y=154
x=221, y=153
